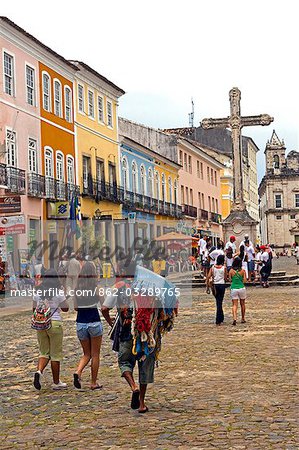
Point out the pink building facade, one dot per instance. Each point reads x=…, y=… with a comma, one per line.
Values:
x=19, y=133
x=200, y=189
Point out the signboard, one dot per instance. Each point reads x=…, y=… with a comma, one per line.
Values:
x=3, y=248
x=59, y=210
x=12, y=225
x=52, y=227
x=10, y=204
x=131, y=217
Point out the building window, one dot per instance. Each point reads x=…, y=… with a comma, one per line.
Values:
x=203, y=201
x=278, y=201
x=213, y=204
x=11, y=148
x=90, y=104
x=150, y=183
x=87, y=177
x=296, y=200
x=185, y=162
x=80, y=98
x=9, y=77
x=142, y=180
x=70, y=170
x=276, y=162
x=134, y=177
x=169, y=189
x=109, y=114
x=48, y=163
x=125, y=174
x=57, y=98
x=46, y=92
x=32, y=155
x=68, y=103
x=181, y=157
x=216, y=206
x=292, y=216
x=186, y=195
x=191, y=197
x=209, y=202
x=163, y=188
x=215, y=178
x=100, y=109
x=175, y=186
x=59, y=166
x=157, y=187
x=208, y=174
x=189, y=164
x=201, y=170
x=182, y=195
x=278, y=217
x=30, y=85
x=212, y=177
x=198, y=169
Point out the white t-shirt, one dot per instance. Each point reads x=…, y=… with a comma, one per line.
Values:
x=202, y=244
x=214, y=255
x=54, y=303
x=231, y=245
x=243, y=243
x=229, y=261
x=250, y=253
x=265, y=256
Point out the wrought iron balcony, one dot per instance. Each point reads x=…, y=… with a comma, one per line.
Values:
x=50, y=191
x=215, y=217
x=136, y=201
x=203, y=214
x=3, y=175
x=72, y=190
x=189, y=210
x=16, y=180
x=60, y=190
x=108, y=191
x=36, y=185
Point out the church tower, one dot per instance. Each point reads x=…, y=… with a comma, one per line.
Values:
x=275, y=154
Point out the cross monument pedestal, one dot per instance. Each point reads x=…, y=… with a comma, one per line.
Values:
x=239, y=222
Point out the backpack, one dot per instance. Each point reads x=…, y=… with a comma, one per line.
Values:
x=41, y=318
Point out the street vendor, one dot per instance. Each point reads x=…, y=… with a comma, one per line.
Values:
x=137, y=330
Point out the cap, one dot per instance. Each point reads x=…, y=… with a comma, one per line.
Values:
x=232, y=238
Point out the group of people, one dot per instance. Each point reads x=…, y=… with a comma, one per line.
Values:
x=225, y=263
x=90, y=304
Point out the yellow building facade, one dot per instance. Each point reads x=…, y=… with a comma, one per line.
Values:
x=96, y=142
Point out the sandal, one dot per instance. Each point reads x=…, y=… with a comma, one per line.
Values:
x=135, y=402
x=234, y=322
x=243, y=321
x=98, y=386
x=77, y=381
x=143, y=411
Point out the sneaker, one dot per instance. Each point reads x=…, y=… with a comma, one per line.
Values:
x=37, y=380
x=58, y=386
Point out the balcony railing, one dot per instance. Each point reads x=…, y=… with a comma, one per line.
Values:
x=136, y=201
x=16, y=180
x=3, y=175
x=203, y=214
x=189, y=210
x=214, y=217
x=60, y=190
x=36, y=185
x=50, y=191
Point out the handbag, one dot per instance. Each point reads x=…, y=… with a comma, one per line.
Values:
x=41, y=317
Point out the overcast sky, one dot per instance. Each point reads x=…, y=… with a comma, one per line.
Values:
x=163, y=52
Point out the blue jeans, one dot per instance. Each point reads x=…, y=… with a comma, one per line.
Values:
x=89, y=330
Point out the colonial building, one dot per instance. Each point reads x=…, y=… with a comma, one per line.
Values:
x=279, y=195
x=199, y=176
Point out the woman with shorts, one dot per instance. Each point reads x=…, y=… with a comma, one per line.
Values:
x=50, y=341
x=89, y=326
x=237, y=276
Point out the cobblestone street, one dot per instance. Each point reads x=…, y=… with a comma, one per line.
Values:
x=216, y=387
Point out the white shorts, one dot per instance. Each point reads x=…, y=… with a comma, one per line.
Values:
x=238, y=294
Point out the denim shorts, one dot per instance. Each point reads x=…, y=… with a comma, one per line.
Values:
x=89, y=330
x=127, y=361
x=251, y=266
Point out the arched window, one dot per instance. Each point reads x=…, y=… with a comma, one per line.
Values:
x=59, y=166
x=276, y=161
x=163, y=188
x=125, y=174
x=46, y=91
x=48, y=163
x=142, y=180
x=70, y=170
x=157, y=186
x=150, y=189
x=175, y=192
x=57, y=98
x=68, y=104
x=170, y=189
x=134, y=177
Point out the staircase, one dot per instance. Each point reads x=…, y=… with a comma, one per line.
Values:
x=193, y=279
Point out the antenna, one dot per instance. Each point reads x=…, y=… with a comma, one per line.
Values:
x=191, y=115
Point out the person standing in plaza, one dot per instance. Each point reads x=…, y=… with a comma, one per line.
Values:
x=246, y=238
x=266, y=267
x=237, y=276
x=202, y=245
x=231, y=245
x=213, y=255
x=89, y=326
x=250, y=252
x=218, y=274
x=50, y=340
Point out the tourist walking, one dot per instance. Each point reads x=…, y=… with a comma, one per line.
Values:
x=89, y=326
x=266, y=267
x=49, y=305
x=250, y=252
x=73, y=270
x=218, y=274
x=237, y=276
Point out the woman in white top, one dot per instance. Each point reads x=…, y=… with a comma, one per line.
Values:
x=218, y=274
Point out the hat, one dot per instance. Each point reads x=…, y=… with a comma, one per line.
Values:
x=263, y=247
x=232, y=238
x=246, y=235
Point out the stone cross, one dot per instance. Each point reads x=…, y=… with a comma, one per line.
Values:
x=236, y=122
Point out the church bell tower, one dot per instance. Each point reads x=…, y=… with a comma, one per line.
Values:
x=275, y=154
